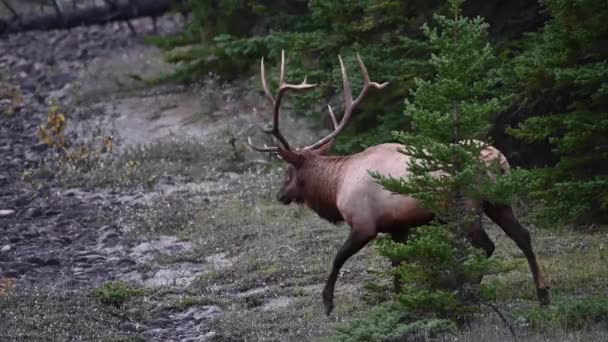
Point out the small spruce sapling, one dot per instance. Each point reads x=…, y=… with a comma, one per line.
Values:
x=451, y=116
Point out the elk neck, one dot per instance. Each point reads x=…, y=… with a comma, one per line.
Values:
x=322, y=177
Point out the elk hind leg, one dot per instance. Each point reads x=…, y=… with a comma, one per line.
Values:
x=400, y=237
x=480, y=239
x=504, y=216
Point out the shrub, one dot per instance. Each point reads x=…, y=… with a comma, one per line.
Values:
x=116, y=293
x=443, y=270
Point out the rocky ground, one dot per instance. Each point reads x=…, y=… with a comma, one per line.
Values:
x=172, y=234
x=179, y=163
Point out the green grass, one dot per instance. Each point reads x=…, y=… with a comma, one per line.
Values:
x=116, y=293
x=569, y=313
x=573, y=264
x=35, y=315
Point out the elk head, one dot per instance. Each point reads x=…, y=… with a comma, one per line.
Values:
x=293, y=182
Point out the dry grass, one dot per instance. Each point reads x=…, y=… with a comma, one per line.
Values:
x=64, y=316
x=280, y=256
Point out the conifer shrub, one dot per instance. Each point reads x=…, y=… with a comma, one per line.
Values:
x=451, y=115
x=313, y=32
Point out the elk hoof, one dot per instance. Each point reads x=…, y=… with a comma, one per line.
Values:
x=328, y=301
x=543, y=296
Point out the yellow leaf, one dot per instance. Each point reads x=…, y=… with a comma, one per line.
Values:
x=6, y=285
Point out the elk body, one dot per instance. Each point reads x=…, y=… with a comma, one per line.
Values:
x=339, y=188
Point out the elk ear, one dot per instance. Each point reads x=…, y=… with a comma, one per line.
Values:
x=324, y=149
x=291, y=157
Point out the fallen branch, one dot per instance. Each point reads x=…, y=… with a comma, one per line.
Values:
x=499, y=313
x=10, y=8
x=97, y=15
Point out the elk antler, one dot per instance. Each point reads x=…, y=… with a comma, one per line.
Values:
x=349, y=104
x=276, y=103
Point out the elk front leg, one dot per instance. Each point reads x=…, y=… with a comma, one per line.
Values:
x=503, y=216
x=353, y=244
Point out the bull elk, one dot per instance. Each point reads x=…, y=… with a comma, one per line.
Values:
x=339, y=188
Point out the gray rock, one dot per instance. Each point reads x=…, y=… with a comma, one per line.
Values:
x=34, y=212
x=6, y=248
x=108, y=238
x=24, y=200
x=63, y=240
x=126, y=261
x=11, y=274
x=233, y=175
x=89, y=258
x=35, y=260
x=52, y=262
x=198, y=313
x=128, y=327
x=31, y=234
x=6, y=212
x=21, y=267
x=78, y=270
x=179, y=274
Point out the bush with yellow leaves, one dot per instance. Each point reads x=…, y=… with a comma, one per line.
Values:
x=84, y=155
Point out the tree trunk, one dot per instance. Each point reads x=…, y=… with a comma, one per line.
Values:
x=97, y=15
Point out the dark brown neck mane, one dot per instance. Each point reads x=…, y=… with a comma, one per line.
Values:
x=322, y=177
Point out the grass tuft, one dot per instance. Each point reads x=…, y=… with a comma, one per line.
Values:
x=116, y=293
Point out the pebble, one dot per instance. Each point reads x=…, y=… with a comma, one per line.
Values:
x=35, y=260
x=33, y=212
x=126, y=261
x=6, y=212
x=6, y=248
x=89, y=258
x=52, y=262
x=108, y=238
x=233, y=175
x=31, y=234
x=11, y=274
x=198, y=314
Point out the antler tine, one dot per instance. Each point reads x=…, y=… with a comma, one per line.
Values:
x=333, y=117
x=276, y=103
x=348, y=94
x=282, y=74
x=264, y=83
x=367, y=84
x=349, y=104
x=261, y=149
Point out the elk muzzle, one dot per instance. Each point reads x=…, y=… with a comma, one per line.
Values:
x=283, y=197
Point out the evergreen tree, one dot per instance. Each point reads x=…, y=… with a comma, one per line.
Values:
x=562, y=77
x=228, y=37
x=451, y=115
